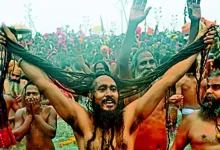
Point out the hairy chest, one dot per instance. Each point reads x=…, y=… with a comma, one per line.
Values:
x=111, y=139
x=204, y=133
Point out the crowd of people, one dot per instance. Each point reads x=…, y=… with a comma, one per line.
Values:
x=115, y=91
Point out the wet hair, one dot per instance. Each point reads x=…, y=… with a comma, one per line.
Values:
x=5, y=58
x=112, y=122
x=80, y=83
x=104, y=64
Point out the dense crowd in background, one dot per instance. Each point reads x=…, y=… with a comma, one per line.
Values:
x=61, y=47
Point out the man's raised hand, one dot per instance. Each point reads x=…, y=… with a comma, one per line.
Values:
x=9, y=34
x=194, y=9
x=138, y=12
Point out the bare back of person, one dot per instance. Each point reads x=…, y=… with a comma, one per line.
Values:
x=36, y=139
x=202, y=133
x=188, y=85
x=189, y=92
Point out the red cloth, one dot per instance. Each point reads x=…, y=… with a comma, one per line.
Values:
x=138, y=31
x=6, y=138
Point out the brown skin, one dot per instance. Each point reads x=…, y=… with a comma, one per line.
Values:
x=145, y=62
x=36, y=123
x=187, y=88
x=11, y=103
x=156, y=120
x=7, y=86
x=133, y=114
x=199, y=132
x=100, y=67
x=14, y=76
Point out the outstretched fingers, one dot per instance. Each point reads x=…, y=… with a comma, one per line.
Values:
x=189, y=2
x=147, y=11
x=141, y=3
x=138, y=2
x=144, y=3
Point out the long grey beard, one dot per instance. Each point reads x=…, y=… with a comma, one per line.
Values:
x=141, y=74
x=15, y=88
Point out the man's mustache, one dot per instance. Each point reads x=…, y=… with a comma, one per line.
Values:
x=146, y=71
x=107, y=99
x=209, y=98
x=14, y=80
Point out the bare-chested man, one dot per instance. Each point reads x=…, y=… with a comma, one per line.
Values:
x=105, y=126
x=13, y=85
x=11, y=103
x=186, y=88
x=142, y=63
x=35, y=122
x=201, y=129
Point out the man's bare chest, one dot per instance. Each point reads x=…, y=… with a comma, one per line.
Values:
x=108, y=139
x=204, y=133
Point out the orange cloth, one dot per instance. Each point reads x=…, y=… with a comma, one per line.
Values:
x=150, y=31
x=203, y=22
x=13, y=66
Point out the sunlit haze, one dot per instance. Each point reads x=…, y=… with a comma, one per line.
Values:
x=47, y=15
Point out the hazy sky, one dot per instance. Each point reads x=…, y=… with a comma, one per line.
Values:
x=50, y=14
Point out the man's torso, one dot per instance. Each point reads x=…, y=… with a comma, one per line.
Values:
x=36, y=138
x=202, y=134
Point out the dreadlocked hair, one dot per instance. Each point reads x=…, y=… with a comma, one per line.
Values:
x=5, y=58
x=80, y=83
x=7, y=137
x=92, y=86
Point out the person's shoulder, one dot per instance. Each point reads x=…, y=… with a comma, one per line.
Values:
x=24, y=82
x=8, y=97
x=21, y=111
x=192, y=117
x=49, y=109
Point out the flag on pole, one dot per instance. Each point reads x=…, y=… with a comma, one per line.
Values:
x=102, y=25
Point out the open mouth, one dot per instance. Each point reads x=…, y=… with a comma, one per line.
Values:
x=109, y=102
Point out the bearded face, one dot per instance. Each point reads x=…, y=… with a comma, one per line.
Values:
x=145, y=64
x=211, y=101
x=14, y=77
x=210, y=107
x=105, y=102
x=106, y=119
x=14, y=84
